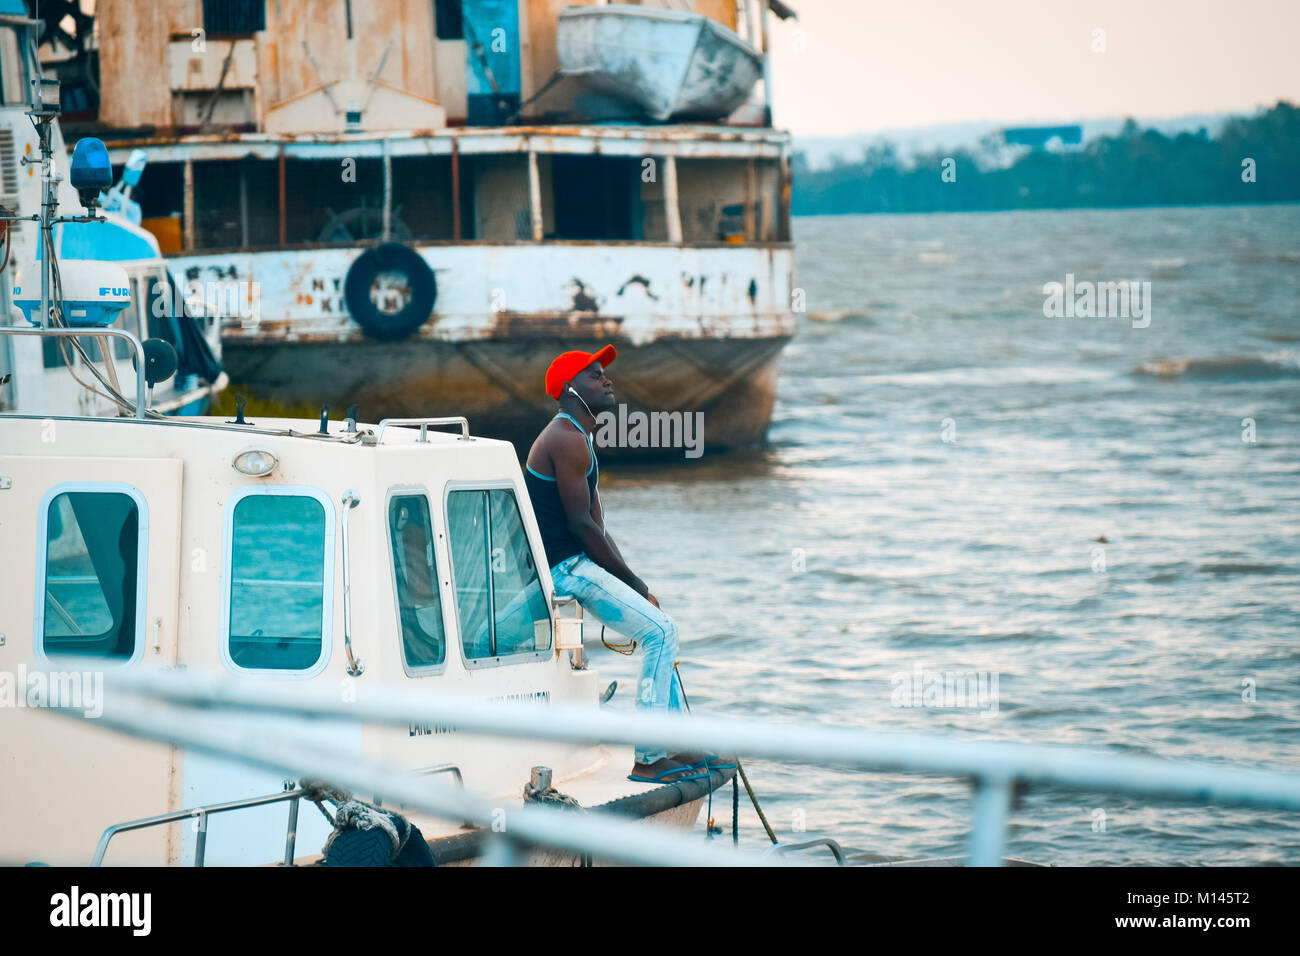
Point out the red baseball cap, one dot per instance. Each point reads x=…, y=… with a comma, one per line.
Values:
x=570, y=364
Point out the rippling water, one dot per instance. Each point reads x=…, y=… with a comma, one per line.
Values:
x=1097, y=533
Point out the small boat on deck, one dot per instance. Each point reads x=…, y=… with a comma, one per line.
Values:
x=671, y=64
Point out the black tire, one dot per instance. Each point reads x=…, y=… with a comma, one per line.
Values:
x=390, y=257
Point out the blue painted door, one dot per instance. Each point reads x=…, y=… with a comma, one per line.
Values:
x=492, y=75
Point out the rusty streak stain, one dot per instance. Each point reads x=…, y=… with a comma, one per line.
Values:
x=563, y=325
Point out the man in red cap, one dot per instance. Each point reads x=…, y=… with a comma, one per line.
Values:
x=562, y=476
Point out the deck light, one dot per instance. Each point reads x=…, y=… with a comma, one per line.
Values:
x=255, y=463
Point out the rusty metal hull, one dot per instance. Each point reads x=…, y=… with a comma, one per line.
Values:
x=497, y=383
x=698, y=329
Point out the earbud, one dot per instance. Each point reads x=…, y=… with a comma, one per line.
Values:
x=584, y=404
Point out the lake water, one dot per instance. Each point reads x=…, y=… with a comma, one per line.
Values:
x=1105, y=517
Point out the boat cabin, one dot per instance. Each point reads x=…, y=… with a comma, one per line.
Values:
x=346, y=555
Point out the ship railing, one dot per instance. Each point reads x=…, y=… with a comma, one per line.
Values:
x=194, y=711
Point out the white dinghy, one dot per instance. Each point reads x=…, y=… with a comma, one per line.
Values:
x=669, y=63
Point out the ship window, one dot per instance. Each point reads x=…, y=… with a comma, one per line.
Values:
x=499, y=599
x=728, y=200
x=280, y=560
x=234, y=16
x=93, y=573
x=447, y=20
x=415, y=573
x=331, y=200
x=596, y=197
x=236, y=203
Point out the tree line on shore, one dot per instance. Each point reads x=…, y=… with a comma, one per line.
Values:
x=1253, y=159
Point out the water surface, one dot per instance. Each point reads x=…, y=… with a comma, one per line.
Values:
x=1095, y=532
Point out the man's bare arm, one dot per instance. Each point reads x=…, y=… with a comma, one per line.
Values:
x=571, y=457
x=599, y=515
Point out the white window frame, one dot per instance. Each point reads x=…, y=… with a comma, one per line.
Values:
x=449, y=633
x=141, y=565
x=501, y=660
x=327, y=597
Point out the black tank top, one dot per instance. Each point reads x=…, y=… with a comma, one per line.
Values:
x=557, y=539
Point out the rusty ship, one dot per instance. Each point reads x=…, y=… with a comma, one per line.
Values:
x=410, y=205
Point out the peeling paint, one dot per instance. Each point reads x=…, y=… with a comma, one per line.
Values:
x=582, y=300
x=641, y=281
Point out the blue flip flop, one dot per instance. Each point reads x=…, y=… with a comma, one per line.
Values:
x=712, y=762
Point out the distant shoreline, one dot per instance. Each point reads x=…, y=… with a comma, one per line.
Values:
x=1253, y=160
x=963, y=212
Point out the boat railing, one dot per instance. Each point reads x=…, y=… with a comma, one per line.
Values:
x=423, y=424
x=193, y=711
x=448, y=768
x=836, y=850
x=141, y=383
x=200, y=817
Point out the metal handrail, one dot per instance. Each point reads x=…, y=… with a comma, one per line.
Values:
x=355, y=667
x=140, y=380
x=996, y=767
x=450, y=768
x=424, y=424
x=836, y=850
x=202, y=813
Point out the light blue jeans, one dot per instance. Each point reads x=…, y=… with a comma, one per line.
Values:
x=621, y=609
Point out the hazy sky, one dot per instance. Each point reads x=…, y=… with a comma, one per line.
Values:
x=873, y=64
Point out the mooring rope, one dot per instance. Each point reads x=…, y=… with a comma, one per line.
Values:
x=740, y=771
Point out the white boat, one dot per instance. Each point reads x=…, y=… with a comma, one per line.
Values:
x=670, y=63
x=284, y=554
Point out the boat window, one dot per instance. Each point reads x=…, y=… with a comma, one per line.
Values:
x=280, y=567
x=499, y=599
x=415, y=572
x=93, y=573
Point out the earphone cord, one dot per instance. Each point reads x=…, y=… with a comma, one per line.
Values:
x=584, y=404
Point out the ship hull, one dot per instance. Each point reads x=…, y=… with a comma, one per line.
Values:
x=498, y=384
x=699, y=330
